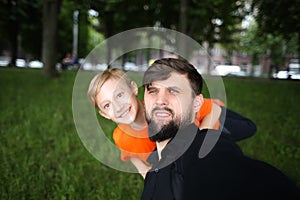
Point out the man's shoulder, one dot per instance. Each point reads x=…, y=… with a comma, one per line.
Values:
x=209, y=142
x=225, y=167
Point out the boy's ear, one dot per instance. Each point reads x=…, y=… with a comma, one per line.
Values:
x=198, y=101
x=134, y=88
x=103, y=114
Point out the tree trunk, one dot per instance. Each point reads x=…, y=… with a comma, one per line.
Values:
x=14, y=32
x=183, y=26
x=183, y=16
x=49, y=51
x=108, y=32
x=13, y=27
x=209, y=59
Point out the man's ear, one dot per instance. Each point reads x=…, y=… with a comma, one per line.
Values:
x=134, y=88
x=198, y=101
x=103, y=114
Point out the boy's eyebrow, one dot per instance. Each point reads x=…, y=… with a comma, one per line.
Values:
x=118, y=90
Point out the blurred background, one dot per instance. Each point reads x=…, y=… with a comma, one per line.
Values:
x=253, y=44
x=243, y=38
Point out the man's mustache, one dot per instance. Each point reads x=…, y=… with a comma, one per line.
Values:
x=162, y=109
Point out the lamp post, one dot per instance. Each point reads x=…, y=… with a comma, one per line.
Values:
x=75, y=32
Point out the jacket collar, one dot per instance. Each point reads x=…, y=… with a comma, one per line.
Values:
x=175, y=148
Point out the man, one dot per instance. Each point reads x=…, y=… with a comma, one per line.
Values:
x=172, y=97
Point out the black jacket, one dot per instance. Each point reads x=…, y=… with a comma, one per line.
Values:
x=223, y=173
x=235, y=126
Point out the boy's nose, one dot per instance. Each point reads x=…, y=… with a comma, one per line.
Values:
x=117, y=106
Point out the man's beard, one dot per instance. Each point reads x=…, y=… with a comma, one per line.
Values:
x=166, y=132
x=162, y=131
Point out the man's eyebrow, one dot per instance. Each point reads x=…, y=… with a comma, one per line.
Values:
x=168, y=87
x=149, y=86
x=175, y=88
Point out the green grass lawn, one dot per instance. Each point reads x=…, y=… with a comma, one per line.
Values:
x=42, y=157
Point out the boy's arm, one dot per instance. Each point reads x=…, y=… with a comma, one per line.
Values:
x=209, y=121
x=236, y=126
x=141, y=166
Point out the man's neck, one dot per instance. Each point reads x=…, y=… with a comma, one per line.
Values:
x=160, y=146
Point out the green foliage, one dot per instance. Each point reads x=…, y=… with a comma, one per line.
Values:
x=42, y=156
x=21, y=20
x=217, y=21
x=201, y=17
x=257, y=44
x=94, y=36
x=279, y=18
x=65, y=29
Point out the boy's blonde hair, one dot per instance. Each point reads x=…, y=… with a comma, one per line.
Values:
x=98, y=81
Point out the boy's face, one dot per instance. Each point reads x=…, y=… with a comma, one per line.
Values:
x=118, y=101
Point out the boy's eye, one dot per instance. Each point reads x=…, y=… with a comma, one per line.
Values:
x=120, y=94
x=106, y=106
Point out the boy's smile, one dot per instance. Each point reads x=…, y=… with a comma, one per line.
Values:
x=124, y=112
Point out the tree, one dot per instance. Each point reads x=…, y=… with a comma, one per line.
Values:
x=274, y=47
x=114, y=18
x=210, y=21
x=65, y=28
x=279, y=17
x=31, y=30
x=21, y=24
x=217, y=22
x=50, y=20
x=17, y=17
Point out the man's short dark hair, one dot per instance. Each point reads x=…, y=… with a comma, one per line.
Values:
x=161, y=69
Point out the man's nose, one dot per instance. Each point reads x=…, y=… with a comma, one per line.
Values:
x=162, y=98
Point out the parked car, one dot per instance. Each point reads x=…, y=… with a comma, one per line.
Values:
x=129, y=66
x=35, y=64
x=21, y=62
x=4, y=61
x=292, y=71
x=225, y=70
x=287, y=75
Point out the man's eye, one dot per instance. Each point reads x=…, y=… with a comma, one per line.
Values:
x=152, y=91
x=173, y=91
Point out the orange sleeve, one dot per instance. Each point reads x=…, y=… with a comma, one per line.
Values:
x=205, y=110
x=131, y=146
x=218, y=102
